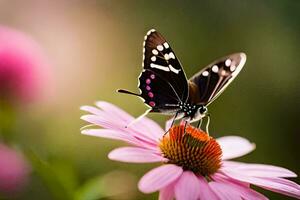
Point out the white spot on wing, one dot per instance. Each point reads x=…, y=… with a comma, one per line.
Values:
x=160, y=47
x=160, y=67
x=215, y=68
x=150, y=31
x=205, y=73
x=167, y=57
x=153, y=58
x=228, y=62
x=164, y=68
x=176, y=71
x=155, y=52
x=232, y=68
x=166, y=45
x=171, y=55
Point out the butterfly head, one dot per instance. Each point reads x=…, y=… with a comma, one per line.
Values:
x=202, y=110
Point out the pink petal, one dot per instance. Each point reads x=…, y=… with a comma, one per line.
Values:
x=235, y=146
x=279, y=185
x=152, y=127
x=114, y=111
x=110, y=116
x=167, y=193
x=104, y=121
x=108, y=123
x=258, y=170
x=225, y=177
x=243, y=190
x=111, y=134
x=225, y=191
x=159, y=178
x=135, y=155
x=148, y=125
x=187, y=187
x=92, y=110
x=295, y=192
x=205, y=191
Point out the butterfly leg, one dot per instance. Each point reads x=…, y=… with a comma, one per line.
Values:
x=199, y=123
x=171, y=123
x=138, y=118
x=185, y=123
x=185, y=126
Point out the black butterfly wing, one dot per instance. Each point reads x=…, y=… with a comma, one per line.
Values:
x=158, y=93
x=163, y=83
x=214, y=78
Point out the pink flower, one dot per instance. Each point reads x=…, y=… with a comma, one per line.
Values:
x=14, y=171
x=195, y=165
x=22, y=66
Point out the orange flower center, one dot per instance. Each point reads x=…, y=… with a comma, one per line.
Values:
x=192, y=149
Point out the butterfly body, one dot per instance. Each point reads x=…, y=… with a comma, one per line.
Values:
x=165, y=89
x=191, y=112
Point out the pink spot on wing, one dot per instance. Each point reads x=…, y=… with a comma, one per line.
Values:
x=150, y=94
x=148, y=87
x=148, y=81
x=152, y=76
x=152, y=103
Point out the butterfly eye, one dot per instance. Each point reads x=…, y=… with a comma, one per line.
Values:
x=203, y=109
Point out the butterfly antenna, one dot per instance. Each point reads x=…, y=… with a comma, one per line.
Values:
x=127, y=92
x=138, y=118
x=207, y=123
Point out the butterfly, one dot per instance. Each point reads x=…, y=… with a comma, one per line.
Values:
x=165, y=89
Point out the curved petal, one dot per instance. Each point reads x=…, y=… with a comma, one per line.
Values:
x=109, y=123
x=114, y=111
x=102, y=117
x=152, y=127
x=205, y=191
x=135, y=155
x=243, y=190
x=221, y=175
x=187, y=187
x=104, y=121
x=235, y=146
x=92, y=110
x=289, y=188
x=159, y=178
x=258, y=170
x=111, y=134
x=224, y=191
x=167, y=193
x=279, y=185
x=145, y=124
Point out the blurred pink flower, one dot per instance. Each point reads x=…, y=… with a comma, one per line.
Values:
x=22, y=66
x=14, y=171
x=195, y=165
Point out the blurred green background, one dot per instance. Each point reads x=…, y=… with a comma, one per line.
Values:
x=95, y=47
